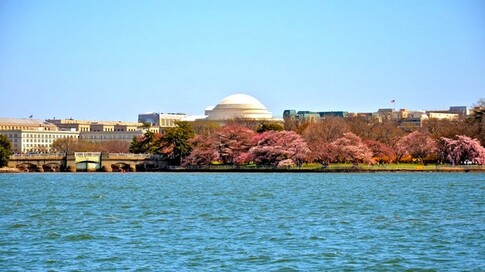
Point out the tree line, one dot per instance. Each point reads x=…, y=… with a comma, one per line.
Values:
x=333, y=140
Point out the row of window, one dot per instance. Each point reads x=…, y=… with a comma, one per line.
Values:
x=35, y=145
x=38, y=140
x=107, y=137
x=106, y=129
x=115, y=129
x=39, y=137
x=20, y=128
x=52, y=136
x=34, y=138
x=86, y=129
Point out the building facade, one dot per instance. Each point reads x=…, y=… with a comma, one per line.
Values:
x=312, y=116
x=105, y=136
x=32, y=135
x=102, y=131
x=443, y=115
x=36, y=141
x=36, y=136
x=159, y=121
x=85, y=125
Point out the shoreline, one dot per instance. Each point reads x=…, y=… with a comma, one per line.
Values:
x=447, y=170
x=9, y=170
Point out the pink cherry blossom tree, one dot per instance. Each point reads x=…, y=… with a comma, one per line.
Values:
x=417, y=144
x=322, y=152
x=462, y=149
x=231, y=141
x=351, y=148
x=272, y=147
x=228, y=145
x=203, y=152
x=380, y=151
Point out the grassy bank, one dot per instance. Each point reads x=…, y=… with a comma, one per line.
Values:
x=342, y=167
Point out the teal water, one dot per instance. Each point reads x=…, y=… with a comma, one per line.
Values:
x=242, y=222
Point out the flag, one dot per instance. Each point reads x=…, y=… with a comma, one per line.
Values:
x=393, y=101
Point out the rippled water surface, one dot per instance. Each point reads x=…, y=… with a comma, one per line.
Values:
x=241, y=222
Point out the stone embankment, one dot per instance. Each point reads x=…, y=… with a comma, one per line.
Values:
x=9, y=170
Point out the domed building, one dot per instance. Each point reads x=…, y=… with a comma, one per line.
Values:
x=238, y=106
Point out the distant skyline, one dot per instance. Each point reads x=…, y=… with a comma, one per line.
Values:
x=112, y=60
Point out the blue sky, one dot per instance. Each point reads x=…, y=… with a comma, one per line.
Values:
x=111, y=60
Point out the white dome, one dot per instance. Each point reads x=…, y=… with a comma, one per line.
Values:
x=238, y=106
x=244, y=100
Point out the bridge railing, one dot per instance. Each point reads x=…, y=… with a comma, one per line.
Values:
x=130, y=156
x=37, y=156
x=87, y=154
x=83, y=155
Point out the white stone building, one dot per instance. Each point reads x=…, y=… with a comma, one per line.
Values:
x=32, y=135
x=238, y=106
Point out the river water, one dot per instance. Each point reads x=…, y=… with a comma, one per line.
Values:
x=242, y=222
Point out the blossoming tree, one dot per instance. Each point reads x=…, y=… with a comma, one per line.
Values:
x=272, y=147
x=462, y=149
x=351, y=148
x=203, y=152
x=417, y=144
x=232, y=141
x=225, y=145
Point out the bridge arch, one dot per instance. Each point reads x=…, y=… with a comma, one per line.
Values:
x=120, y=167
x=27, y=167
x=52, y=167
x=87, y=165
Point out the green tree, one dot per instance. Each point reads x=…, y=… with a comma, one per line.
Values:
x=5, y=150
x=147, y=143
x=175, y=141
x=135, y=145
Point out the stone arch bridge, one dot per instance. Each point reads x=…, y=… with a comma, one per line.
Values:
x=88, y=162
